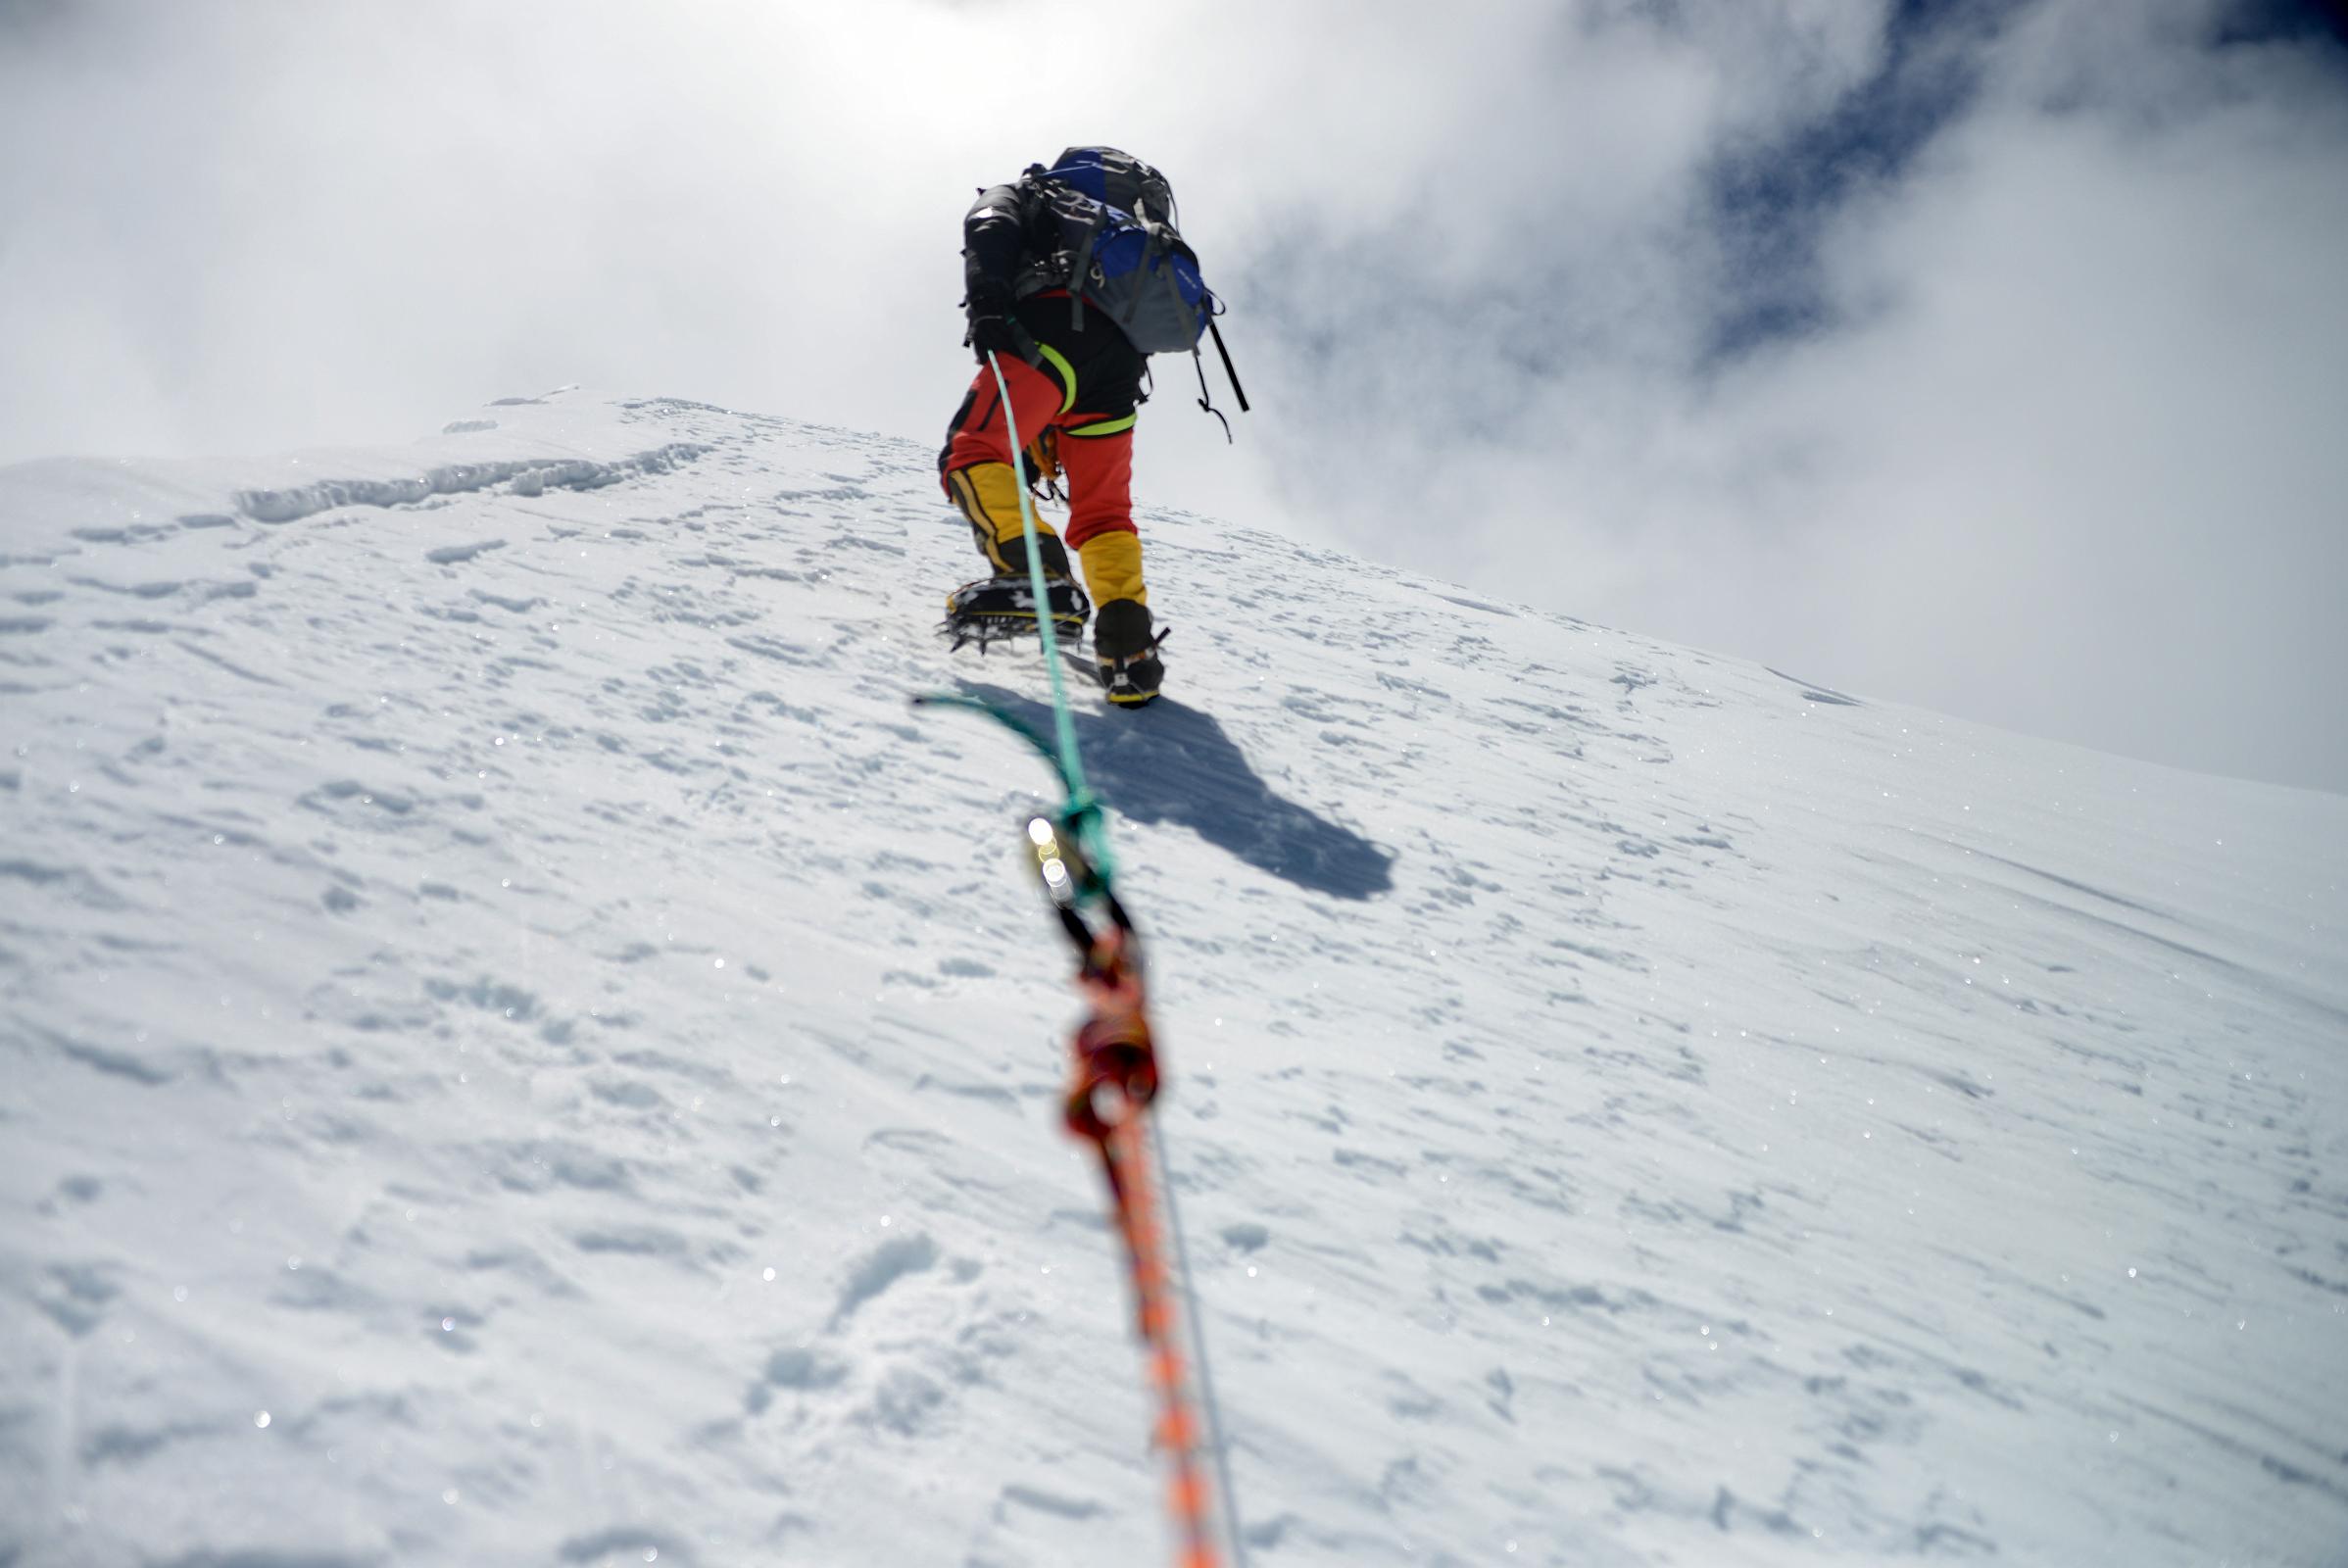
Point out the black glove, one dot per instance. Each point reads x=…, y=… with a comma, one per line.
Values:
x=993, y=334
x=991, y=329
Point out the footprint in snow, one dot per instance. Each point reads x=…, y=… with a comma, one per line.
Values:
x=881, y=1268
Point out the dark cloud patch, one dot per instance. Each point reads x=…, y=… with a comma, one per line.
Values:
x=2249, y=23
x=24, y=16
x=1770, y=200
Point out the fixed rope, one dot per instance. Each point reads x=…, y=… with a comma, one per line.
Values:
x=1207, y=1403
x=1109, y=1094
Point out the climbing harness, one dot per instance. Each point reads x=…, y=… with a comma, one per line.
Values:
x=1112, y=1085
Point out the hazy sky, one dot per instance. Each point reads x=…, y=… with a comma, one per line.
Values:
x=1991, y=355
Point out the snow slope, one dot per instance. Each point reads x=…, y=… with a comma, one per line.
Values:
x=520, y=1048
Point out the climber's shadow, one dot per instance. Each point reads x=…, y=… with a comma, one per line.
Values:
x=1172, y=763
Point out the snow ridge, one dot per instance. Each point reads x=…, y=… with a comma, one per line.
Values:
x=529, y=477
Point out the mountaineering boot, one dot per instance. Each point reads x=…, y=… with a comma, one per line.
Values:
x=1010, y=557
x=1004, y=605
x=1127, y=652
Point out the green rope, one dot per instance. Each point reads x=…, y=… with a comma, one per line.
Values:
x=1083, y=812
x=1071, y=764
x=1006, y=718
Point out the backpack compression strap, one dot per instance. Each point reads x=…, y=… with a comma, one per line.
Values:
x=1083, y=259
x=1239, y=391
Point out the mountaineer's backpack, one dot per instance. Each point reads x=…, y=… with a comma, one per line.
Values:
x=1104, y=229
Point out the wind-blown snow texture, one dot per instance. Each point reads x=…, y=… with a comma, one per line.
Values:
x=520, y=1047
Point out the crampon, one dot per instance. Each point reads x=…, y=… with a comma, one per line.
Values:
x=995, y=610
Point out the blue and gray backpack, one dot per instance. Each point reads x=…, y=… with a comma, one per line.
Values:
x=1105, y=233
